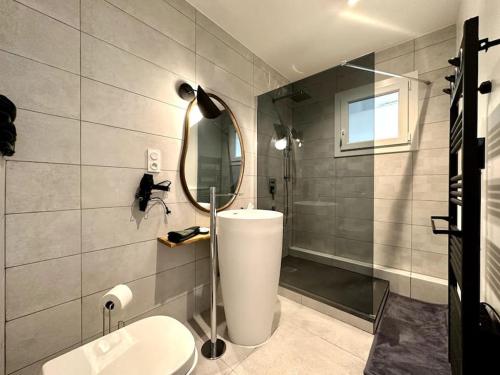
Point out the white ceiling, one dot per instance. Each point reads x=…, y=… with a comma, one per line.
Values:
x=302, y=37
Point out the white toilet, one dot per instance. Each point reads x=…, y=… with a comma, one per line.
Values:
x=158, y=345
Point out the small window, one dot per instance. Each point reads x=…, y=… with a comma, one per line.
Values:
x=376, y=118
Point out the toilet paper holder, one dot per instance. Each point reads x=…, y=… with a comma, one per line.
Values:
x=109, y=307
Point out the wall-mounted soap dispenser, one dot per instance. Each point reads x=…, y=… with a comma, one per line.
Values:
x=145, y=190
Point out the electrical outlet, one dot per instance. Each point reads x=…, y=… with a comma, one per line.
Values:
x=154, y=160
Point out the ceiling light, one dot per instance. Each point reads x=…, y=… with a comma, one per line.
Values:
x=351, y=3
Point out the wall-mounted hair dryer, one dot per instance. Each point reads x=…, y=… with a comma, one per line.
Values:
x=146, y=187
x=8, y=134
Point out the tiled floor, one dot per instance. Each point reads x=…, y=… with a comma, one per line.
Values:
x=304, y=342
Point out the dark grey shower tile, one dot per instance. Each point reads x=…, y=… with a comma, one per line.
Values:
x=354, y=187
x=355, y=166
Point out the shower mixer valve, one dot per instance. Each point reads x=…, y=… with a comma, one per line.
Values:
x=272, y=187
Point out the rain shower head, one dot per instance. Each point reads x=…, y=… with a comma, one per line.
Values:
x=296, y=96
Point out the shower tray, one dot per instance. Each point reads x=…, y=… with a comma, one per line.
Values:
x=352, y=297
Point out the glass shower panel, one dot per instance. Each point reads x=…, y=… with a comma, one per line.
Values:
x=327, y=200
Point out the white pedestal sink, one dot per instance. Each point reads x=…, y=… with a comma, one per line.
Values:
x=158, y=345
x=250, y=246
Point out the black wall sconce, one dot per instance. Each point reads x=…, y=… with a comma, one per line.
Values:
x=207, y=107
x=8, y=134
x=145, y=190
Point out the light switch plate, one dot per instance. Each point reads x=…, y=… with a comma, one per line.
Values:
x=154, y=160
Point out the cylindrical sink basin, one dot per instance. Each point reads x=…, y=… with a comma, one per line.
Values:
x=250, y=245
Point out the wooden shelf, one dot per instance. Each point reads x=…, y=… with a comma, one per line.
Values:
x=197, y=238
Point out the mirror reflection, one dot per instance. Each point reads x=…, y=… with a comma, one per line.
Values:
x=213, y=155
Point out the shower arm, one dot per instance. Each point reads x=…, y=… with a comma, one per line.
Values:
x=354, y=66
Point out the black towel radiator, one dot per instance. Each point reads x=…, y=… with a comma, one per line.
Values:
x=466, y=159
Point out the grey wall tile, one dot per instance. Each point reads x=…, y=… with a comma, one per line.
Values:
x=163, y=17
x=429, y=290
x=393, y=164
x=202, y=271
x=47, y=138
x=216, y=30
x=109, y=227
x=113, y=147
x=104, y=269
x=67, y=11
x=354, y=208
x=314, y=224
x=28, y=33
x=399, y=282
x=435, y=109
x=355, y=166
x=430, y=188
x=36, y=286
x=423, y=210
x=36, y=368
x=429, y=263
x=58, y=187
x=392, y=234
x=323, y=242
x=391, y=256
x=109, y=105
x=39, y=236
x=435, y=37
x=355, y=229
x=434, y=135
x=392, y=210
x=181, y=308
x=435, y=56
x=100, y=187
x=39, y=87
x=39, y=335
x=423, y=239
x=395, y=51
x=215, y=50
x=183, y=7
x=352, y=249
x=215, y=78
x=149, y=293
x=392, y=187
x=429, y=162
x=398, y=65
x=106, y=63
x=354, y=187
x=131, y=35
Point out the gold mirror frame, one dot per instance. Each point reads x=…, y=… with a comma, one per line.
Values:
x=185, y=150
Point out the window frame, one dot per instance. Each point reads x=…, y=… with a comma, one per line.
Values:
x=408, y=113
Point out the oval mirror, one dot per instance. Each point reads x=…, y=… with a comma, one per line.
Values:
x=212, y=155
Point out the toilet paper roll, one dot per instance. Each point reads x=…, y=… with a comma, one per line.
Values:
x=120, y=296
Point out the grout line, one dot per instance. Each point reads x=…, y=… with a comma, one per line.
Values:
x=38, y=62
x=43, y=260
x=131, y=130
x=179, y=75
x=81, y=186
x=47, y=15
x=42, y=310
x=150, y=26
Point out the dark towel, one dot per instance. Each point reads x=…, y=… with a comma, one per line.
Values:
x=183, y=235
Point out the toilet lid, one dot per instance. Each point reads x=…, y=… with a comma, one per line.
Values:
x=158, y=345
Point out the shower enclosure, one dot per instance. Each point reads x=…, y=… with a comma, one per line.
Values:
x=327, y=199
